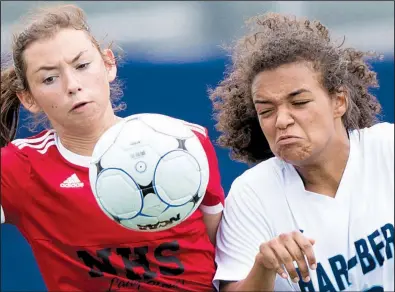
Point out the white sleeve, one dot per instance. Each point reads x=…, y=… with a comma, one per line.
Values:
x=379, y=140
x=2, y=215
x=242, y=230
x=383, y=135
x=387, y=138
x=212, y=210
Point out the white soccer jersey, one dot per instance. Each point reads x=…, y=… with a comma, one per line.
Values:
x=354, y=232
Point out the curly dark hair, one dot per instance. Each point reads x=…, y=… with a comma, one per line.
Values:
x=275, y=40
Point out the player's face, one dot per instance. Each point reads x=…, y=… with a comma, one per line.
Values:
x=296, y=114
x=68, y=80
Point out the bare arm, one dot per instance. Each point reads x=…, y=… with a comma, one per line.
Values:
x=259, y=279
x=212, y=222
x=273, y=257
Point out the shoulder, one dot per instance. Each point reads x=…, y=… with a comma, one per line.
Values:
x=39, y=143
x=378, y=138
x=269, y=173
x=261, y=183
x=253, y=206
x=19, y=152
x=377, y=132
x=13, y=161
x=16, y=164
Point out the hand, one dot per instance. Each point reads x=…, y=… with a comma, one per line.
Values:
x=283, y=250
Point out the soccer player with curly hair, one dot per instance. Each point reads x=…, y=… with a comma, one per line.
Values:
x=316, y=210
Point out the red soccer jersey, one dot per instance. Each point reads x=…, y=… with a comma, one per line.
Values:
x=77, y=247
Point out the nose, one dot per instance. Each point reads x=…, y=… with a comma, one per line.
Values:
x=73, y=84
x=284, y=119
x=74, y=91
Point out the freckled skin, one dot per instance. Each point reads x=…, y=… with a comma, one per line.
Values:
x=312, y=115
x=55, y=91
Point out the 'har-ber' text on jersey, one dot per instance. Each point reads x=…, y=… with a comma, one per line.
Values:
x=45, y=192
x=353, y=231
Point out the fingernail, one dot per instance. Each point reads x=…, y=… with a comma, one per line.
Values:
x=284, y=275
x=313, y=266
x=296, y=280
x=306, y=279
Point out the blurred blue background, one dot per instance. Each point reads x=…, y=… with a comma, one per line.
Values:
x=169, y=67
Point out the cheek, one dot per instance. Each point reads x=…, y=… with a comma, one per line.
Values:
x=268, y=128
x=48, y=98
x=316, y=125
x=100, y=81
x=51, y=107
x=102, y=87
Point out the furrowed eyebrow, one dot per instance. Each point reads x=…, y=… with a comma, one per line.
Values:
x=297, y=92
x=48, y=68
x=78, y=56
x=289, y=95
x=261, y=101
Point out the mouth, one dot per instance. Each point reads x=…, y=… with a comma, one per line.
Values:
x=285, y=137
x=79, y=105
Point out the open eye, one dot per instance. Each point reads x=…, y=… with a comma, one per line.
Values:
x=49, y=80
x=83, y=66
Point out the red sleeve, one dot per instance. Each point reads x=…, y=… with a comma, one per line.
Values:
x=213, y=200
x=14, y=176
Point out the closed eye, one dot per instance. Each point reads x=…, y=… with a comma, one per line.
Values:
x=300, y=102
x=265, y=113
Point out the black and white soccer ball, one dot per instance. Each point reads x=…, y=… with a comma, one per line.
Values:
x=149, y=172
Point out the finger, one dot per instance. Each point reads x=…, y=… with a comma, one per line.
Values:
x=270, y=258
x=269, y=261
x=281, y=272
x=306, y=245
x=267, y=258
x=285, y=259
x=298, y=256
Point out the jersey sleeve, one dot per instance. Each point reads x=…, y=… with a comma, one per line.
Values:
x=382, y=134
x=14, y=176
x=213, y=200
x=378, y=140
x=2, y=215
x=239, y=235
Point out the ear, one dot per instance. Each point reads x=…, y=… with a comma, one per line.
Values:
x=340, y=102
x=28, y=101
x=109, y=62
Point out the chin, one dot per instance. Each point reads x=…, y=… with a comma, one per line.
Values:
x=294, y=155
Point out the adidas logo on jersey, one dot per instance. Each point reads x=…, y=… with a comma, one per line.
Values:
x=72, y=182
